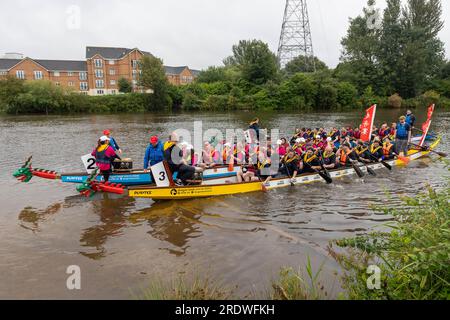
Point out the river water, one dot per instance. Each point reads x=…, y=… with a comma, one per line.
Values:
x=121, y=244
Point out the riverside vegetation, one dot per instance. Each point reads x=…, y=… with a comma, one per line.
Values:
x=413, y=256
x=398, y=64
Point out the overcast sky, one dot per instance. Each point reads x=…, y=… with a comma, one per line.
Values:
x=198, y=33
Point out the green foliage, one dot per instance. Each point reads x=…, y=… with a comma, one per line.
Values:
x=153, y=77
x=413, y=257
x=401, y=55
x=395, y=101
x=255, y=61
x=346, y=94
x=213, y=74
x=299, y=64
x=125, y=85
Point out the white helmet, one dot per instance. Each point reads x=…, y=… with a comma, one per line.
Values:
x=298, y=140
x=279, y=142
x=318, y=137
x=329, y=139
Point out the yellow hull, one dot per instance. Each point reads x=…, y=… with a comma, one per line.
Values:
x=174, y=193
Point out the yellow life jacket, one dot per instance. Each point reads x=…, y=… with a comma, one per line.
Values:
x=261, y=165
x=360, y=151
x=308, y=160
x=286, y=160
x=168, y=145
x=102, y=147
x=373, y=150
x=325, y=155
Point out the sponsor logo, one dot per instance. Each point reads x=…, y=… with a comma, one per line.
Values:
x=173, y=192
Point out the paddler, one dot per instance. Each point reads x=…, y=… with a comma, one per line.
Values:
x=174, y=157
x=254, y=125
x=154, y=153
x=376, y=150
x=289, y=164
x=329, y=158
x=346, y=155
x=388, y=150
x=112, y=142
x=310, y=162
x=104, y=154
x=363, y=153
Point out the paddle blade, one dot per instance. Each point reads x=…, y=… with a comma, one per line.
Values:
x=325, y=177
x=371, y=171
x=387, y=165
x=358, y=171
x=442, y=154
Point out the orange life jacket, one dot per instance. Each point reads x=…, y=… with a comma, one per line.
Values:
x=344, y=157
x=387, y=150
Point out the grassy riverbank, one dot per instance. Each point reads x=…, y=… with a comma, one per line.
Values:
x=413, y=259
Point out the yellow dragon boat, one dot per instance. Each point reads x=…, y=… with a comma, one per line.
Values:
x=220, y=188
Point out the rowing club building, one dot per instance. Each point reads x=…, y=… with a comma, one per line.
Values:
x=99, y=74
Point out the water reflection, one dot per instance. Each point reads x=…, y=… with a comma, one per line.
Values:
x=113, y=218
x=30, y=218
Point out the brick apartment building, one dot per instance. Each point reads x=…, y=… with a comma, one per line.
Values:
x=99, y=74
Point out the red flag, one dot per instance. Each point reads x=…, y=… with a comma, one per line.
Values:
x=367, y=125
x=426, y=126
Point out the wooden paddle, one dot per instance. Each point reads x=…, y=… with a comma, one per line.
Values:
x=369, y=169
x=384, y=163
x=323, y=175
x=441, y=154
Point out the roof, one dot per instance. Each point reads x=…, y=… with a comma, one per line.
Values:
x=63, y=65
x=110, y=52
x=6, y=64
x=195, y=72
x=175, y=70
x=52, y=65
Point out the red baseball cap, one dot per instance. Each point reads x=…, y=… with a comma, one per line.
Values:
x=154, y=139
x=106, y=132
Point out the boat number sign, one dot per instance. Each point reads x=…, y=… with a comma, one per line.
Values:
x=160, y=175
x=89, y=163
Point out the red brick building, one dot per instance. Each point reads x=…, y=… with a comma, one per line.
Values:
x=99, y=74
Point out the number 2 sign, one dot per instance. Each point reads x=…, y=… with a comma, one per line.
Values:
x=89, y=163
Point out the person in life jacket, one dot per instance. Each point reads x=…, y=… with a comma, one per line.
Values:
x=264, y=167
x=410, y=118
x=357, y=134
x=174, y=157
x=289, y=164
x=329, y=158
x=227, y=154
x=318, y=143
x=255, y=128
x=208, y=153
x=310, y=162
x=104, y=154
x=376, y=150
x=154, y=153
x=346, y=155
x=388, y=150
x=299, y=146
x=402, y=137
x=298, y=134
x=239, y=153
x=362, y=152
x=112, y=142
x=384, y=131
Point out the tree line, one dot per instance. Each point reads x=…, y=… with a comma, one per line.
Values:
x=397, y=62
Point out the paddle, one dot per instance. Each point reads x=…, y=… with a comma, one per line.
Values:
x=369, y=169
x=384, y=163
x=289, y=173
x=324, y=176
x=441, y=154
x=358, y=170
x=322, y=164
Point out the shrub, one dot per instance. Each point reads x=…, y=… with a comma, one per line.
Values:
x=395, y=101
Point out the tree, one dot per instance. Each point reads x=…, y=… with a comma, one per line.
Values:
x=10, y=89
x=360, y=47
x=124, y=85
x=212, y=74
x=255, y=61
x=299, y=65
x=153, y=76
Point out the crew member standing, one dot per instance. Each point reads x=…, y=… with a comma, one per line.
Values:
x=112, y=142
x=402, y=137
x=104, y=154
x=154, y=153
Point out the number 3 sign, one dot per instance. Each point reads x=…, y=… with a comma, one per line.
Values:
x=159, y=171
x=89, y=163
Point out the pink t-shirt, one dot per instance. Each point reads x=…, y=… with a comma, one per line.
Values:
x=108, y=153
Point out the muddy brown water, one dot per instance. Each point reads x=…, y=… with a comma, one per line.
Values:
x=121, y=244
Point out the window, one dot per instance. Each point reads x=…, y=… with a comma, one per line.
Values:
x=38, y=75
x=112, y=82
x=113, y=91
x=99, y=84
x=135, y=72
x=134, y=63
x=134, y=83
x=3, y=73
x=56, y=74
x=83, y=75
x=112, y=72
x=20, y=74
x=111, y=62
x=98, y=73
x=57, y=84
x=70, y=74
x=83, y=86
x=98, y=63
x=70, y=84
x=100, y=92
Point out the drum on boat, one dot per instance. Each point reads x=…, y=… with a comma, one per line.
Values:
x=125, y=164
